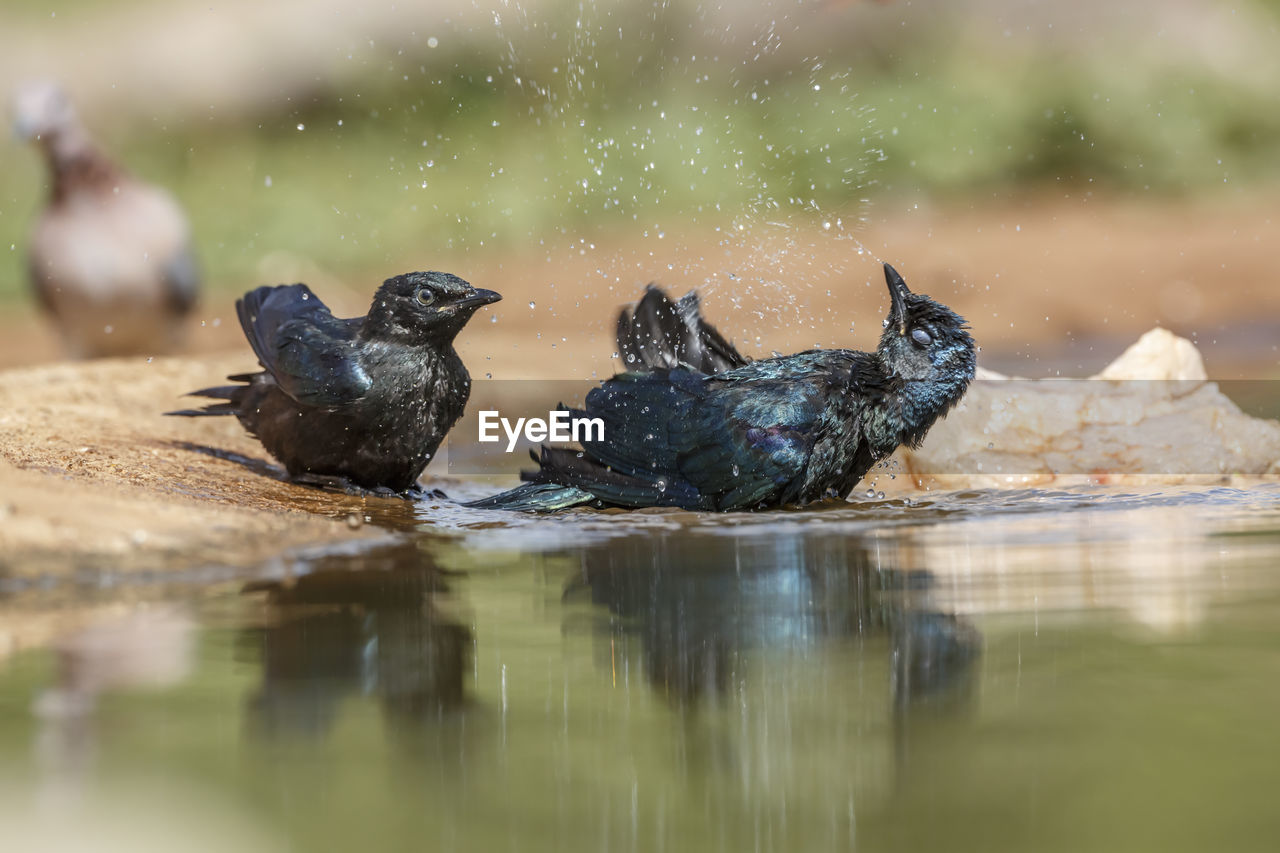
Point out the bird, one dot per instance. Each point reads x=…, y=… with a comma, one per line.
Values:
x=722, y=433
x=358, y=404
x=110, y=257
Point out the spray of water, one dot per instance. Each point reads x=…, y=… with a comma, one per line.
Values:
x=690, y=157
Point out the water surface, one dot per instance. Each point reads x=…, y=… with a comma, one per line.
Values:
x=970, y=671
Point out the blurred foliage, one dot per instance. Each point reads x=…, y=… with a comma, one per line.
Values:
x=468, y=149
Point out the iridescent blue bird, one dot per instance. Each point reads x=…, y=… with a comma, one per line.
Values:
x=699, y=426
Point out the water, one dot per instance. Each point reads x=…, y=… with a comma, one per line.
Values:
x=988, y=670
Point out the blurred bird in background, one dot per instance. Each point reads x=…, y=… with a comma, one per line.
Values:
x=110, y=257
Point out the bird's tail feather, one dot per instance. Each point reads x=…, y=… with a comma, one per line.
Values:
x=535, y=497
x=230, y=394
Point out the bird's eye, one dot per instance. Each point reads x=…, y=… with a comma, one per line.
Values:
x=424, y=296
x=921, y=337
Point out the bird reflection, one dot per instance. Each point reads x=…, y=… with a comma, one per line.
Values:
x=697, y=603
x=932, y=657
x=365, y=625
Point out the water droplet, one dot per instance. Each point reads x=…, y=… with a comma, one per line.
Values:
x=301, y=126
x=871, y=493
x=433, y=42
x=266, y=182
x=532, y=304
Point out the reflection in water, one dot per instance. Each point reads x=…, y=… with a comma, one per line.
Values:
x=805, y=666
x=698, y=602
x=932, y=657
x=148, y=649
x=365, y=625
x=789, y=682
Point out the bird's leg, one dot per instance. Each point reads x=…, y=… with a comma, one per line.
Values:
x=417, y=492
x=337, y=483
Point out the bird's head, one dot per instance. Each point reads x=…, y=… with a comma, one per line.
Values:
x=924, y=340
x=422, y=307
x=42, y=112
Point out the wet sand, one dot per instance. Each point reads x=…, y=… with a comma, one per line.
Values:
x=94, y=479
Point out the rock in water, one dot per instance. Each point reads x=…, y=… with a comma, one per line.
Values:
x=1159, y=354
x=1151, y=417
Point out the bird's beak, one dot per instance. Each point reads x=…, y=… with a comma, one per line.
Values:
x=477, y=298
x=897, y=298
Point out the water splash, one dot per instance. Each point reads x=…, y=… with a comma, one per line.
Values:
x=714, y=141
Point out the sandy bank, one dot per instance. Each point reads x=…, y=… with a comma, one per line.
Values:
x=94, y=477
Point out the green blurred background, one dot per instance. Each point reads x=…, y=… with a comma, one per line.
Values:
x=351, y=140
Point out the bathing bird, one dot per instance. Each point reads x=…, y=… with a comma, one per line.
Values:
x=721, y=433
x=359, y=403
x=109, y=257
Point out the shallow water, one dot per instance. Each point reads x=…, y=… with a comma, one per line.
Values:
x=1071, y=670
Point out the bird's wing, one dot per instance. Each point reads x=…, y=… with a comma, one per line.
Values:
x=309, y=353
x=658, y=333
x=151, y=219
x=755, y=441
x=181, y=279
x=680, y=437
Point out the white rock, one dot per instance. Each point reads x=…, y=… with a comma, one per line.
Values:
x=1150, y=417
x=1159, y=354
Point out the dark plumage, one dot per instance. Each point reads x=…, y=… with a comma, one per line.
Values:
x=660, y=334
x=110, y=257
x=363, y=401
x=724, y=434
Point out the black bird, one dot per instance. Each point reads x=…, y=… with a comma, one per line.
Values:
x=722, y=433
x=362, y=401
